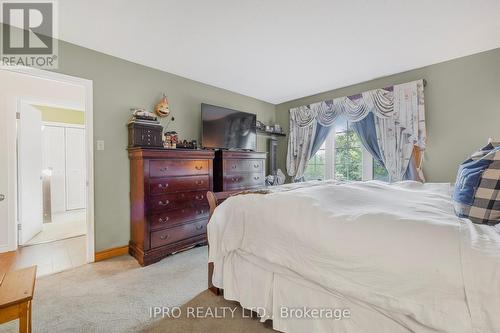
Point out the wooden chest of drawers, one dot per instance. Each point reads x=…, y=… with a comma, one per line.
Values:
x=169, y=208
x=239, y=170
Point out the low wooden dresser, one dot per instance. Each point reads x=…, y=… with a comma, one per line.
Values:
x=169, y=207
x=239, y=170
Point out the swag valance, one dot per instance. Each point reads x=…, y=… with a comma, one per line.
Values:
x=391, y=124
x=379, y=101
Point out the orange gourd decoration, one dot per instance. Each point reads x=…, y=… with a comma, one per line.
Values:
x=162, y=109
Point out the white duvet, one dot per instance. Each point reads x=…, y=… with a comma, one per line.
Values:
x=398, y=249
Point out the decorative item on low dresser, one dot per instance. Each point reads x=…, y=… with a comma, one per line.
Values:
x=144, y=130
x=276, y=179
x=169, y=208
x=162, y=109
x=185, y=144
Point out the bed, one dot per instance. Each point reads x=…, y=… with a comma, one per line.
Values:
x=394, y=256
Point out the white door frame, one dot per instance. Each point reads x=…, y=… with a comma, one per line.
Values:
x=89, y=132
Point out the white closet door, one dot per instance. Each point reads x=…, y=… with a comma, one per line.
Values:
x=30, y=173
x=75, y=168
x=54, y=159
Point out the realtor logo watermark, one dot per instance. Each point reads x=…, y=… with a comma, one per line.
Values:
x=231, y=312
x=29, y=36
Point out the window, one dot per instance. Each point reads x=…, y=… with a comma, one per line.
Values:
x=316, y=166
x=343, y=157
x=380, y=172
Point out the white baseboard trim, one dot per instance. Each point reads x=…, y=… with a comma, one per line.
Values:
x=5, y=248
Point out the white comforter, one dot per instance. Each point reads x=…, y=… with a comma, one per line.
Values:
x=398, y=249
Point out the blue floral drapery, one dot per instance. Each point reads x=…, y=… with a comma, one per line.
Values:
x=390, y=123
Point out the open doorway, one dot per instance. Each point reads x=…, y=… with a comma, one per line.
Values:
x=48, y=156
x=51, y=173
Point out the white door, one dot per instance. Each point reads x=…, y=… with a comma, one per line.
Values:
x=54, y=159
x=75, y=168
x=30, y=172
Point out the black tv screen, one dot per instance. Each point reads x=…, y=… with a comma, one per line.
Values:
x=228, y=129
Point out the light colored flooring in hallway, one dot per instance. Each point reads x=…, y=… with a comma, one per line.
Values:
x=64, y=225
x=52, y=257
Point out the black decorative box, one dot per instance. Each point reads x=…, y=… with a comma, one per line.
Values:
x=145, y=134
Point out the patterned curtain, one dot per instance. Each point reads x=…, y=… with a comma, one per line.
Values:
x=300, y=141
x=399, y=124
x=404, y=130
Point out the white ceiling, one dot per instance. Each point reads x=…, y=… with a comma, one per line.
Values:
x=279, y=50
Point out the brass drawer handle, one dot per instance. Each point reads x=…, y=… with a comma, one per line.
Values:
x=199, y=227
x=256, y=165
x=235, y=179
x=199, y=197
x=162, y=185
x=198, y=167
x=163, y=203
x=234, y=166
x=163, y=237
x=164, y=169
x=161, y=220
x=256, y=178
x=200, y=182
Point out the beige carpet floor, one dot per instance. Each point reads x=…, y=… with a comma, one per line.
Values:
x=238, y=321
x=116, y=296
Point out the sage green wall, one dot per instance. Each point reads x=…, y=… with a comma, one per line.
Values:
x=118, y=86
x=462, y=100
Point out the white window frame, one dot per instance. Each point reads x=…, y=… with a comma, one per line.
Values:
x=367, y=159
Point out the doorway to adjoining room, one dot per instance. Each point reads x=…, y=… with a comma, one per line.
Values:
x=51, y=151
x=48, y=214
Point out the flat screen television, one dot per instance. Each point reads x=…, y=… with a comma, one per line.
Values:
x=228, y=129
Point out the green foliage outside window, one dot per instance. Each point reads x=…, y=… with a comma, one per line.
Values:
x=348, y=157
x=380, y=172
x=316, y=167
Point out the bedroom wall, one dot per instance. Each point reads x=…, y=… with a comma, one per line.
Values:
x=118, y=86
x=462, y=100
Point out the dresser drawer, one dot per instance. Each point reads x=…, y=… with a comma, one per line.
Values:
x=243, y=165
x=178, y=184
x=178, y=216
x=168, y=168
x=243, y=181
x=177, y=201
x=175, y=234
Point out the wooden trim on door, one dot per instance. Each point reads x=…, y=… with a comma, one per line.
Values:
x=110, y=253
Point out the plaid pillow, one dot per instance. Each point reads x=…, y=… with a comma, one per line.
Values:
x=477, y=189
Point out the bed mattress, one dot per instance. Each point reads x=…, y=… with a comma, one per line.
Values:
x=396, y=250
